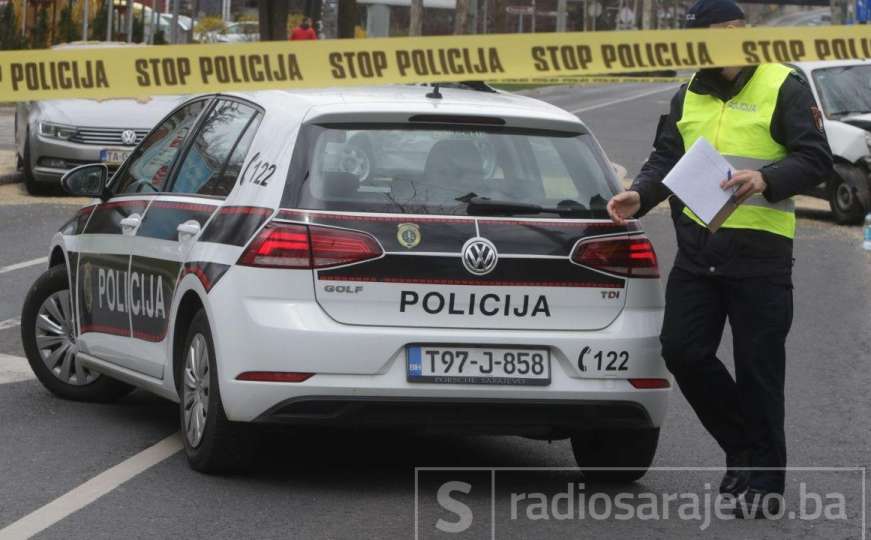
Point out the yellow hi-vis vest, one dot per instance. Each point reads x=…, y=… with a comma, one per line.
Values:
x=740, y=129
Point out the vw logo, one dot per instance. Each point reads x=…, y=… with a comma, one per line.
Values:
x=479, y=256
x=128, y=137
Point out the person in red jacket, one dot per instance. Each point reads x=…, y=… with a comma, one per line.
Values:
x=305, y=30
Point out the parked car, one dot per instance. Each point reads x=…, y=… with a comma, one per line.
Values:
x=238, y=265
x=235, y=32
x=843, y=91
x=54, y=136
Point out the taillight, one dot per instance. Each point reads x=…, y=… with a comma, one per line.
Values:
x=279, y=246
x=630, y=256
x=300, y=246
x=274, y=376
x=334, y=247
x=650, y=384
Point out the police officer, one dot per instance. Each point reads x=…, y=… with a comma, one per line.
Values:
x=764, y=120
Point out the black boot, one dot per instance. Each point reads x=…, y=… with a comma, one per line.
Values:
x=754, y=505
x=737, y=477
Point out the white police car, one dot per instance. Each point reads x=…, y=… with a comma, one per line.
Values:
x=391, y=257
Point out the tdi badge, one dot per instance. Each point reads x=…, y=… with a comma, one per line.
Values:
x=408, y=234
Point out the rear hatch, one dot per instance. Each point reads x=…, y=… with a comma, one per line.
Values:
x=461, y=227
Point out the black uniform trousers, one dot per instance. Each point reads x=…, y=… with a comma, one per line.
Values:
x=745, y=413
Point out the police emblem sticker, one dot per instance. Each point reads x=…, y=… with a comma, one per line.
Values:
x=408, y=234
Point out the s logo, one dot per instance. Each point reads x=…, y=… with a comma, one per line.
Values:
x=461, y=509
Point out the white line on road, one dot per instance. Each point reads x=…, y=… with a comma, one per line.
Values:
x=83, y=495
x=10, y=323
x=25, y=264
x=14, y=369
x=622, y=100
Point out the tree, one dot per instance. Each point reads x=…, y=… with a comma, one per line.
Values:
x=98, y=27
x=415, y=23
x=10, y=36
x=39, y=35
x=461, y=17
x=273, y=19
x=67, y=29
x=347, y=18
x=139, y=28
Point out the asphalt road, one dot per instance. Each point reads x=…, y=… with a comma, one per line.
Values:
x=362, y=484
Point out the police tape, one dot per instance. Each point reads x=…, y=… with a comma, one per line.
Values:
x=180, y=69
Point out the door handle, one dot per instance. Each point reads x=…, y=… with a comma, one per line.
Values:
x=188, y=230
x=130, y=224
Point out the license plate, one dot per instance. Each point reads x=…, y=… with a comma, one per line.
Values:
x=114, y=157
x=520, y=366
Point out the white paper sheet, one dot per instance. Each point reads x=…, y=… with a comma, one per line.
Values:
x=695, y=179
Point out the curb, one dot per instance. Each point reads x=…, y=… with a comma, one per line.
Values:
x=11, y=178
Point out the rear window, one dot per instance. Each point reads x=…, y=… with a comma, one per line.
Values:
x=432, y=169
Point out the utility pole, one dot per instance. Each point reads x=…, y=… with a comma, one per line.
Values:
x=109, y=19
x=561, y=15
x=173, y=32
x=461, y=17
x=485, y=15
x=415, y=23
x=647, y=14
x=84, y=20
x=129, y=21
x=837, y=11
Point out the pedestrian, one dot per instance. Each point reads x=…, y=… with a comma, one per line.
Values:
x=305, y=30
x=765, y=121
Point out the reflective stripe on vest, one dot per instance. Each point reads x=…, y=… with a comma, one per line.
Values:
x=741, y=130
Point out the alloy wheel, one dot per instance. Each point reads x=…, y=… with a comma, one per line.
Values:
x=196, y=390
x=56, y=340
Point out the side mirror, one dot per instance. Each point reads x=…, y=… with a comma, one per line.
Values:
x=86, y=180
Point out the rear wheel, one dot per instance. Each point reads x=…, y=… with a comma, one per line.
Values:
x=615, y=455
x=212, y=443
x=51, y=345
x=843, y=199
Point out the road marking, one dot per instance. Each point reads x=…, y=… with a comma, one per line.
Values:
x=10, y=323
x=14, y=369
x=622, y=100
x=83, y=495
x=25, y=264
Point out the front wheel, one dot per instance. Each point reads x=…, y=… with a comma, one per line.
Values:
x=50, y=342
x=843, y=199
x=212, y=443
x=615, y=455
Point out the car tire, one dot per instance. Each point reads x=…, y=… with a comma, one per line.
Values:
x=33, y=187
x=596, y=451
x=48, y=336
x=212, y=443
x=843, y=199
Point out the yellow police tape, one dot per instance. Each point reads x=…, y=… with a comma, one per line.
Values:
x=143, y=71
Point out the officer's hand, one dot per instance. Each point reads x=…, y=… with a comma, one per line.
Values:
x=748, y=183
x=623, y=206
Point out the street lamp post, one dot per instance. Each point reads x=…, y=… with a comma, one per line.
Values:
x=84, y=20
x=109, y=19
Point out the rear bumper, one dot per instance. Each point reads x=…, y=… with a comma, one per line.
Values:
x=360, y=372
x=551, y=418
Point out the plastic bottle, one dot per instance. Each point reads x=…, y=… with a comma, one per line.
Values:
x=867, y=243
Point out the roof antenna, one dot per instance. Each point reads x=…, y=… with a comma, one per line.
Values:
x=435, y=94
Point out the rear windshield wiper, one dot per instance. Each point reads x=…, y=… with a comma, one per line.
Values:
x=483, y=206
